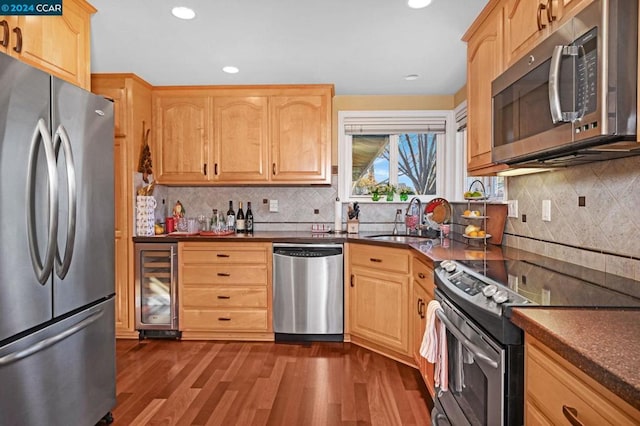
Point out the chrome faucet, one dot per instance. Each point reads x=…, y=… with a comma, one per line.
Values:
x=418, y=226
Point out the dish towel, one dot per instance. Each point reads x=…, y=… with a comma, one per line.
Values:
x=434, y=346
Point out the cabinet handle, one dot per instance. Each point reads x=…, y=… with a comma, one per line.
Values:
x=215, y=169
x=571, y=414
x=421, y=275
x=373, y=259
x=224, y=297
x=18, y=46
x=273, y=169
x=5, y=37
x=222, y=255
x=550, y=16
x=352, y=280
x=205, y=169
x=224, y=319
x=423, y=311
x=541, y=7
x=223, y=274
x=420, y=307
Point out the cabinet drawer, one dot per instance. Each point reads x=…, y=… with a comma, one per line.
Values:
x=202, y=253
x=380, y=258
x=224, y=274
x=557, y=393
x=224, y=297
x=423, y=274
x=224, y=320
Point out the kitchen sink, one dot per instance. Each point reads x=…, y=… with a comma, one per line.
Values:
x=402, y=238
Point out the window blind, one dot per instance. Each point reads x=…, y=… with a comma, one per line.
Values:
x=393, y=125
x=461, y=119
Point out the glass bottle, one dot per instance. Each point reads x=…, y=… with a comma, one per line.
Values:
x=249, y=219
x=240, y=222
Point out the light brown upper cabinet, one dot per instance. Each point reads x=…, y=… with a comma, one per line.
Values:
x=59, y=45
x=484, y=63
x=243, y=135
x=301, y=139
x=527, y=23
x=181, y=123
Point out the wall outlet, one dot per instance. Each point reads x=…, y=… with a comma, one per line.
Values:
x=546, y=210
x=512, y=206
x=273, y=206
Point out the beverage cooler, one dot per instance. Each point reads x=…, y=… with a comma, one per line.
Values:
x=156, y=290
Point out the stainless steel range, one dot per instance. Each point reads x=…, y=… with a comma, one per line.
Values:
x=485, y=350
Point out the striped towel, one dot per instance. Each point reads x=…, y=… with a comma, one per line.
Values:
x=434, y=346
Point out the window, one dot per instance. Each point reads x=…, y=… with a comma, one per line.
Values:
x=406, y=149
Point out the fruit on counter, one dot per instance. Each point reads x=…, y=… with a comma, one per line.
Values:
x=471, y=228
x=473, y=194
x=481, y=233
x=466, y=213
x=472, y=213
x=158, y=229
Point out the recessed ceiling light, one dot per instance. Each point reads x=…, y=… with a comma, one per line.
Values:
x=230, y=69
x=418, y=4
x=183, y=12
x=411, y=77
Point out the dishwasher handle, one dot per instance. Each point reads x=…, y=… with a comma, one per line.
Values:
x=307, y=251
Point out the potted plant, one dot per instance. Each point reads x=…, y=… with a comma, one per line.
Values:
x=390, y=190
x=374, y=190
x=404, y=192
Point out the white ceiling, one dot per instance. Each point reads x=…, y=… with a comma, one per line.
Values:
x=364, y=47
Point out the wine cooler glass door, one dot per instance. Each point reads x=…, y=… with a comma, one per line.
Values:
x=156, y=287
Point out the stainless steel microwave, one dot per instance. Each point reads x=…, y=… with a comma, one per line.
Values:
x=573, y=98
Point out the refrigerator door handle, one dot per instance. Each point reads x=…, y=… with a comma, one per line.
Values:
x=50, y=341
x=42, y=269
x=61, y=139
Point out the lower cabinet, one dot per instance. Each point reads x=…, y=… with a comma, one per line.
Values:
x=379, y=292
x=225, y=290
x=557, y=393
x=423, y=293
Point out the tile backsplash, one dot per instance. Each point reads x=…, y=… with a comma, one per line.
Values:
x=603, y=235
x=297, y=206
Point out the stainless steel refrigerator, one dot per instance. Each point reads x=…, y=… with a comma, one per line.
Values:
x=57, y=337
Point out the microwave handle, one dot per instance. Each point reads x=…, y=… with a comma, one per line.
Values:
x=557, y=116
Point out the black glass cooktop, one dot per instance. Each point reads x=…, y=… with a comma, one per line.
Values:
x=549, y=282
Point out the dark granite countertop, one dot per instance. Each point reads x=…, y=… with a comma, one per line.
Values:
x=603, y=343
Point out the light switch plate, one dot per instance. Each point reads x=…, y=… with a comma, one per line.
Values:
x=273, y=206
x=512, y=206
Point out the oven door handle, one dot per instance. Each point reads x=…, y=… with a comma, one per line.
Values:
x=477, y=352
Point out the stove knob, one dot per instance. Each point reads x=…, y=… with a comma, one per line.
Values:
x=489, y=290
x=501, y=296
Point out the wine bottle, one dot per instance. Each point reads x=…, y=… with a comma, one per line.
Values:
x=231, y=218
x=249, y=219
x=240, y=223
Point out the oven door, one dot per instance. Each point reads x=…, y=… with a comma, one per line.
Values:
x=476, y=373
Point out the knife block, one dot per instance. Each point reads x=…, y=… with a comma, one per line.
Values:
x=352, y=226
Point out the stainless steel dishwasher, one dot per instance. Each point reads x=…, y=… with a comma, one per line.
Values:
x=308, y=292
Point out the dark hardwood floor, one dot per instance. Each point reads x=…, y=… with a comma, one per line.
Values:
x=164, y=382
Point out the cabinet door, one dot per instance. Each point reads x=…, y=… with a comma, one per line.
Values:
x=300, y=139
x=240, y=132
x=418, y=311
x=526, y=22
x=181, y=125
x=379, y=308
x=8, y=39
x=484, y=63
x=57, y=44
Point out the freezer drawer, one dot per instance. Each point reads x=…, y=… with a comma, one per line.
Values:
x=63, y=374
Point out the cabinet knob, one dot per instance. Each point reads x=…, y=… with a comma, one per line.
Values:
x=5, y=30
x=421, y=275
x=352, y=280
x=205, y=169
x=224, y=319
x=273, y=169
x=373, y=259
x=550, y=16
x=223, y=274
x=222, y=255
x=18, y=47
x=420, y=307
x=224, y=297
